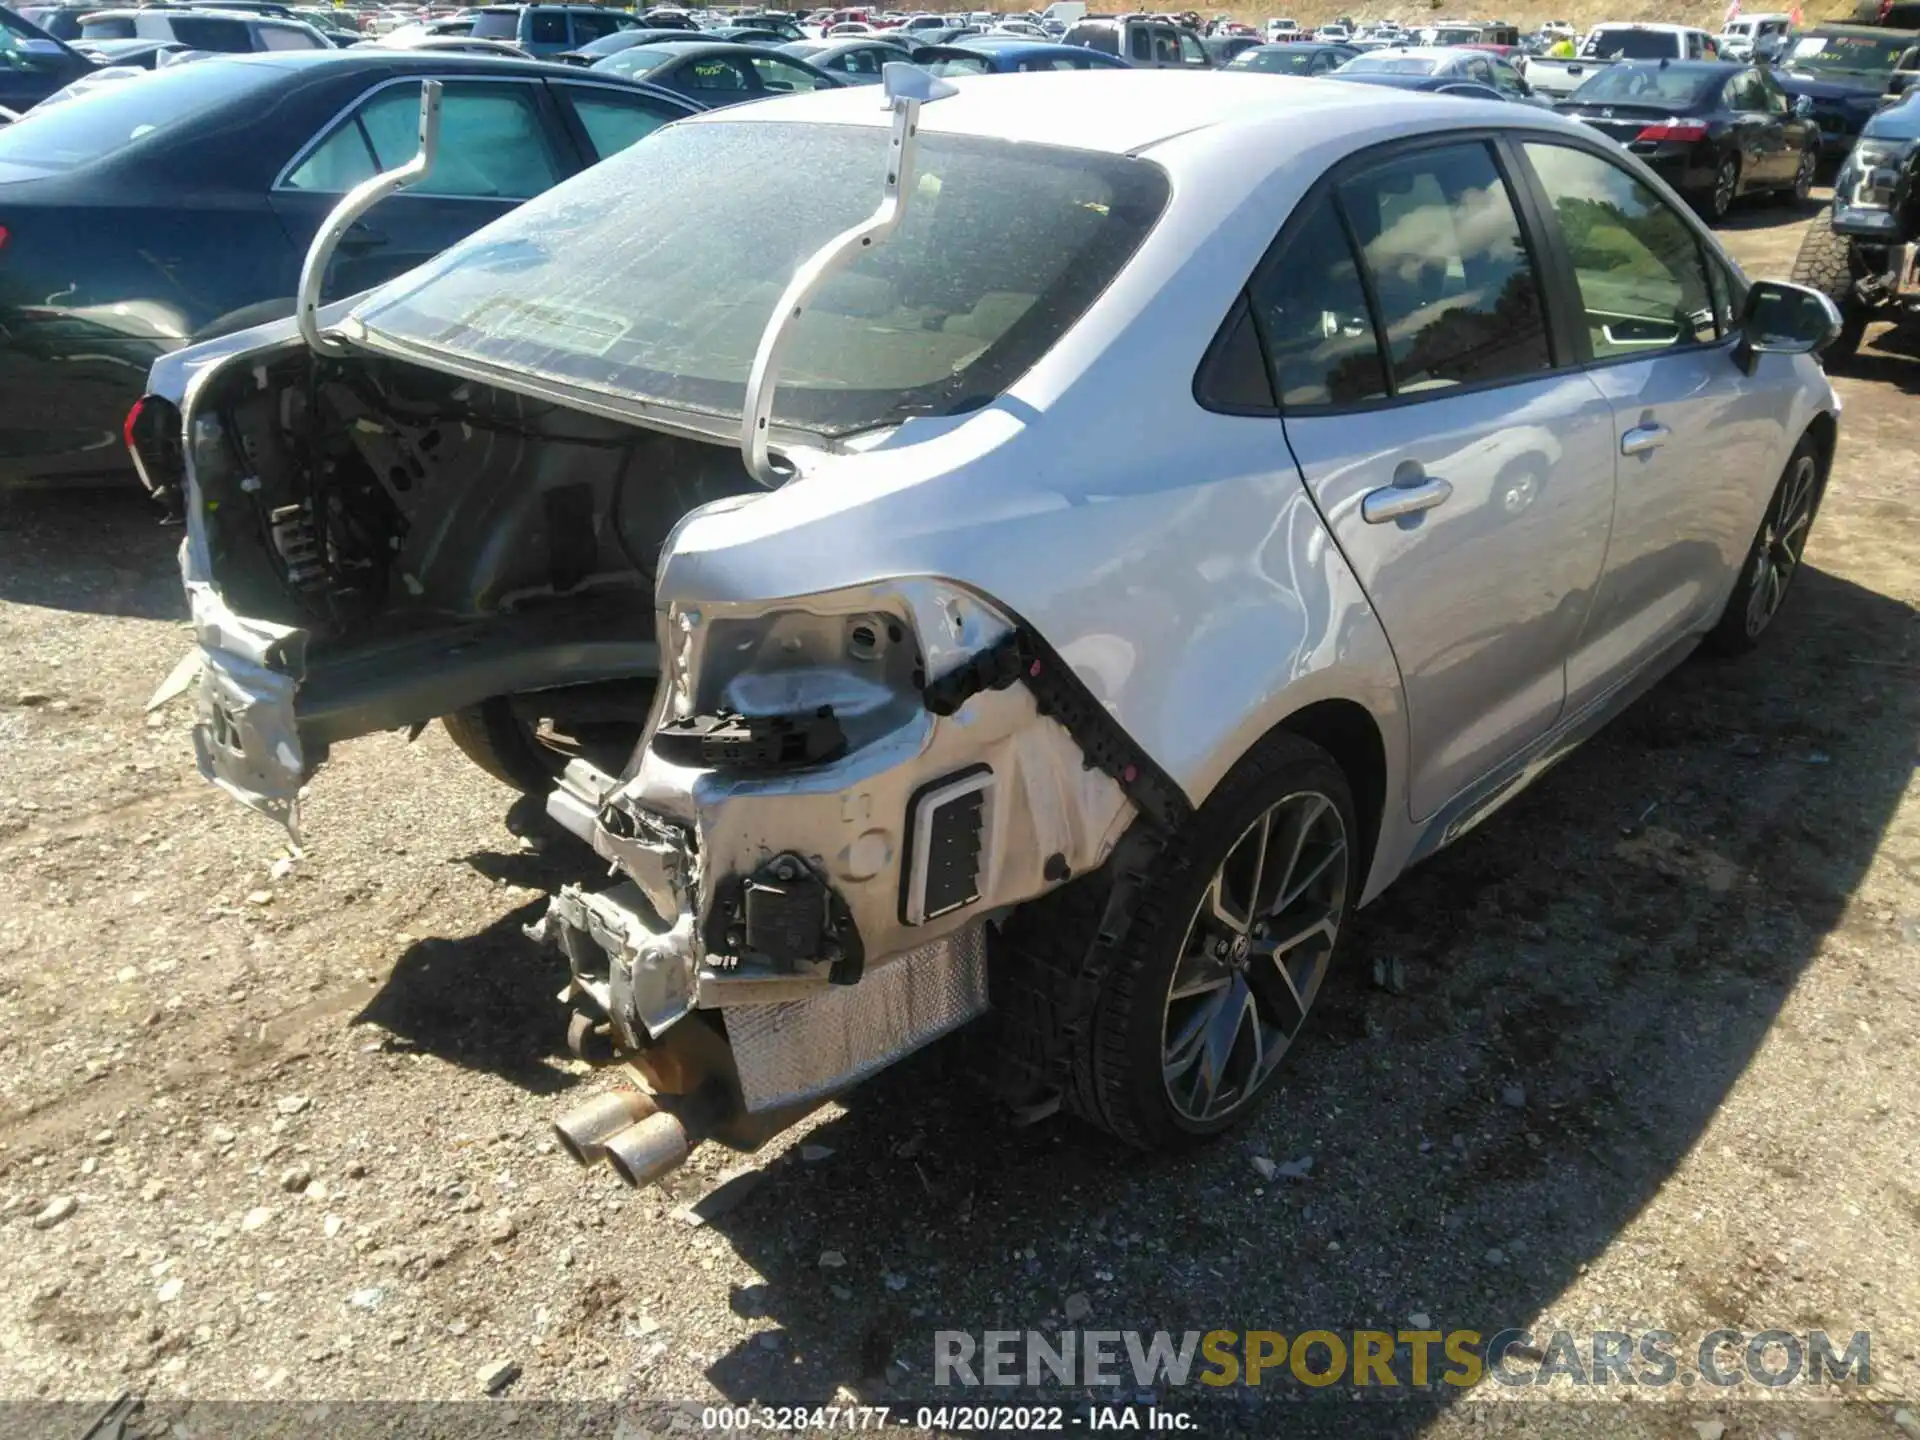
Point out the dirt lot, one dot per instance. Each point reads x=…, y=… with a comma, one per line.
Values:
x=1652, y=1059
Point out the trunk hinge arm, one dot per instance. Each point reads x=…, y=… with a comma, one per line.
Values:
x=907, y=88
x=344, y=216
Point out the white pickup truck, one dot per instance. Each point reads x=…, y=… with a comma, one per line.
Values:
x=1557, y=79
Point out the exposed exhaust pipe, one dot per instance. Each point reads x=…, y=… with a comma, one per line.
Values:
x=585, y=1129
x=644, y=1152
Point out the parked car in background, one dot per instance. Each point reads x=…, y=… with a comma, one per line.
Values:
x=1212, y=498
x=1283, y=29
x=1144, y=43
x=542, y=30
x=596, y=50
x=440, y=27
x=945, y=35
x=33, y=64
x=1860, y=252
x=226, y=32
x=179, y=205
x=1713, y=130
x=782, y=25
x=1739, y=35
x=853, y=62
x=1221, y=49
x=1012, y=55
x=1843, y=70
x=120, y=55
x=1298, y=57
x=1606, y=44
x=1444, y=64
x=1445, y=84
x=749, y=35
x=714, y=72
x=337, y=25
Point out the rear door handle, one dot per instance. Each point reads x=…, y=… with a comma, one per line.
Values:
x=1390, y=502
x=1643, y=438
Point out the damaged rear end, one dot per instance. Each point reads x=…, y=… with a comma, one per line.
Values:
x=810, y=804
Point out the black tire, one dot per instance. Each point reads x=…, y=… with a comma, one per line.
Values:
x=1714, y=202
x=1738, y=631
x=1117, y=1080
x=1826, y=263
x=505, y=746
x=1801, y=190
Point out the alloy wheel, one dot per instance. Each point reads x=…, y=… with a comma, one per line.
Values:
x=1803, y=177
x=1254, y=955
x=1782, y=540
x=1725, y=181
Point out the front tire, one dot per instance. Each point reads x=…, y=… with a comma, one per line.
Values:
x=1773, y=560
x=505, y=746
x=1802, y=189
x=1226, y=952
x=1825, y=263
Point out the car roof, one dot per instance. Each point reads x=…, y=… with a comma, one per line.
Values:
x=375, y=58
x=680, y=48
x=1124, y=111
x=1019, y=45
x=1423, y=52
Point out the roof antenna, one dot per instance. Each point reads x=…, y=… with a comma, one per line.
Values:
x=907, y=88
x=355, y=203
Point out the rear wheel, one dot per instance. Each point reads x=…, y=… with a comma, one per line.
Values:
x=1825, y=263
x=1225, y=954
x=1803, y=177
x=1774, y=557
x=1717, y=200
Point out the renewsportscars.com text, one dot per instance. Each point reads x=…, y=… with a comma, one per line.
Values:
x=1404, y=1359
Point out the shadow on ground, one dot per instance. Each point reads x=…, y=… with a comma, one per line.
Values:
x=99, y=550
x=1617, y=944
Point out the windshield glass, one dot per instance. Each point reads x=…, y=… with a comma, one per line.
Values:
x=1660, y=85
x=1868, y=54
x=67, y=136
x=1458, y=35
x=1287, y=61
x=1390, y=65
x=651, y=275
x=496, y=25
x=1631, y=45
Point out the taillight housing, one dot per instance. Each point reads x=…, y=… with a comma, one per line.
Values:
x=1674, y=130
x=152, y=433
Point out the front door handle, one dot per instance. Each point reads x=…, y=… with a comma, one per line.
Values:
x=1642, y=438
x=1390, y=502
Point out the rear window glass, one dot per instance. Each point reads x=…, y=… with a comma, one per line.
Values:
x=1631, y=45
x=112, y=27
x=1277, y=60
x=1391, y=65
x=65, y=136
x=1650, y=84
x=1104, y=38
x=496, y=25
x=1003, y=247
x=205, y=32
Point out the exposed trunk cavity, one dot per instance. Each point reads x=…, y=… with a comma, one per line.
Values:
x=434, y=543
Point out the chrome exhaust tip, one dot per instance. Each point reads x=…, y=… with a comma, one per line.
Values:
x=584, y=1130
x=647, y=1150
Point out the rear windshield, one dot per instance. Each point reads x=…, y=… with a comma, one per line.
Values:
x=1652, y=84
x=110, y=27
x=1391, y=65
x=1104, y=38
x=65, y=136
x=496, y=25
x=651, y=275
x=1631, y=45
x=1287, y=61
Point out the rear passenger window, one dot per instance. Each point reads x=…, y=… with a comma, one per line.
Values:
x=588, y=27
x=1142, y=44
x=547, y=27
x=206, y=32
x=1458, y=300
x=1312, y=312
x=1640, y=270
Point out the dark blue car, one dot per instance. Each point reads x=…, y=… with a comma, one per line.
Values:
x=33, y=64
x=180, y=205
x=1298, y=58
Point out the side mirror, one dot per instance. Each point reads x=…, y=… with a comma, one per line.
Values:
x=1802, y=106
x=1783, y=319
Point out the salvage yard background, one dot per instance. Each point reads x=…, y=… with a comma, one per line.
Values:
x=1642, y=1051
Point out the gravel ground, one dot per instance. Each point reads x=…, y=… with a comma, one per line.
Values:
x=1646, y=1054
